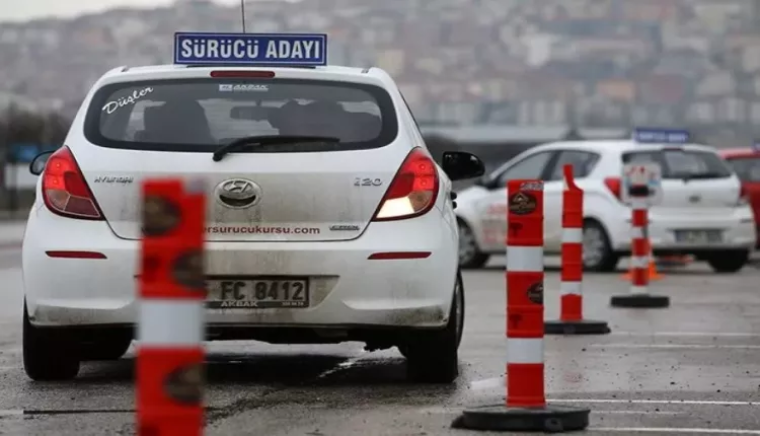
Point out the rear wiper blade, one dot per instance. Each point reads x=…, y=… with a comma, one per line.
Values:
x=256, y=141
x=697, y=176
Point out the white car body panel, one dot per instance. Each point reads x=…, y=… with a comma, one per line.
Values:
x=304, y=190
x=485, y=211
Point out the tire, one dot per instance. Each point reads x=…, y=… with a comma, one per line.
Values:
x=49, y=354
x=470, y=256
x=598, y=255
x=111, y=347
x=433, y=357
x=726, y=262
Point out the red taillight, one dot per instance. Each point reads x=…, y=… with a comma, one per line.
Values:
x=64, y=189
x=243, y=74
x=413, y=191
x=613, y=184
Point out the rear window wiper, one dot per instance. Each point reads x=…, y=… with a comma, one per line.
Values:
x=256, y=141
x=697, y=176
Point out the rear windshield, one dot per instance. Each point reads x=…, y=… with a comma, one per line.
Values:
x=747, y=168
x=200, y=115
x=683, y=164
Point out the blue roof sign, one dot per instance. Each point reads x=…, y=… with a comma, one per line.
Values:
x=660, y=136
x=281, y=49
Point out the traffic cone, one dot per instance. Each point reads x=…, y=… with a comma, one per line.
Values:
x=651, y=269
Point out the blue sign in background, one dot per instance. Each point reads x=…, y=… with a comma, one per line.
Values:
x=287, y=49
x=24, y=153
x=660, y=136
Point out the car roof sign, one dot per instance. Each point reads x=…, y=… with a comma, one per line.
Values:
x=250, y=49
x=660, y=136
x=756, y=146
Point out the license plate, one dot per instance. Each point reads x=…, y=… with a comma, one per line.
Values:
x=258, y=293
x=699, y=236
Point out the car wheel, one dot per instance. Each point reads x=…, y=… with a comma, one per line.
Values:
x=470, y=256
x=111, y=347
x=49, y=354
x=728, y=261
x=434, y=357
x=597, y=250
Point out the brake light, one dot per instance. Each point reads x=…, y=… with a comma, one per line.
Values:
x=64, y=189
x=613, y=184
x=413, y=190
x=243, y=74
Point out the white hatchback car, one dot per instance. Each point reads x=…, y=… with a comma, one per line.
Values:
x=703, y=211
x=327, y=188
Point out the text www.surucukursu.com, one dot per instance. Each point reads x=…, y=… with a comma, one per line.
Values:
x=262, y=230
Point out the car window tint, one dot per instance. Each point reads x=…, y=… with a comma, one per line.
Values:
x=531, y=167
x=747, y=168
x=680, y=164
x=200, y=114
x=583, y=163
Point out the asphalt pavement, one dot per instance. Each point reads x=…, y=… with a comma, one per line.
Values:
x=691, y=369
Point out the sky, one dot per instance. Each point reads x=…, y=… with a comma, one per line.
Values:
x=15, y=10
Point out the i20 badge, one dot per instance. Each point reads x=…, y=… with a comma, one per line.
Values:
x=238, y=193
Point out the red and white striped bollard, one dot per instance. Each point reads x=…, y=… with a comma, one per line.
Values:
x=170, y=354
x=571, y=320
x=639, y=296
x=525, y=407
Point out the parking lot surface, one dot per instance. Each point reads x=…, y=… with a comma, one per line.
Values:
x=693, y=368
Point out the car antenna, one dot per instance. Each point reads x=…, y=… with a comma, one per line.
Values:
x=242, y=13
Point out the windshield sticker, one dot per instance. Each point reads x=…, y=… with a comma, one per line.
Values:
x=243, y=88
x=112, y=106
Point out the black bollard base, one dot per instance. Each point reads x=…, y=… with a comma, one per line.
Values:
x=582, y=327
x=549, y=419
x=640, y=301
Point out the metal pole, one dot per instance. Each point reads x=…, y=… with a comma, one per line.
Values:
x=242, y=13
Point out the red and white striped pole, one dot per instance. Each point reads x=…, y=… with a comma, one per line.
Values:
x=525, y=407
x=639, y=296
x=525, y=294
x=170, y=353
x=639, y=248
x=571, y=320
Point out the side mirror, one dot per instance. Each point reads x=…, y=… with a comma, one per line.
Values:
x=38, y=163
x=460, y=165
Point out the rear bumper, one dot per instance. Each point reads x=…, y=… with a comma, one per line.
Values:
x=347, y=289
x=738, y=229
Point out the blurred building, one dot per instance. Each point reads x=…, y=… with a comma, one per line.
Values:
x=596, y=63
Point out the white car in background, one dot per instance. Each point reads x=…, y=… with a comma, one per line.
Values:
x=327, y=218
x=703, y=212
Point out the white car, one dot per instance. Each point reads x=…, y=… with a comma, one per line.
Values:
x=331, y=193
x=703, y=211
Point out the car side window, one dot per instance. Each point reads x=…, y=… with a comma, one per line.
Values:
x=532, y=167
x=583, y=163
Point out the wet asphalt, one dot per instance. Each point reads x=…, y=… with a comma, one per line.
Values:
x=691, y=369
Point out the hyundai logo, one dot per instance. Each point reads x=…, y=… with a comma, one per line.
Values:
x=695, y=199
x=238, y=193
